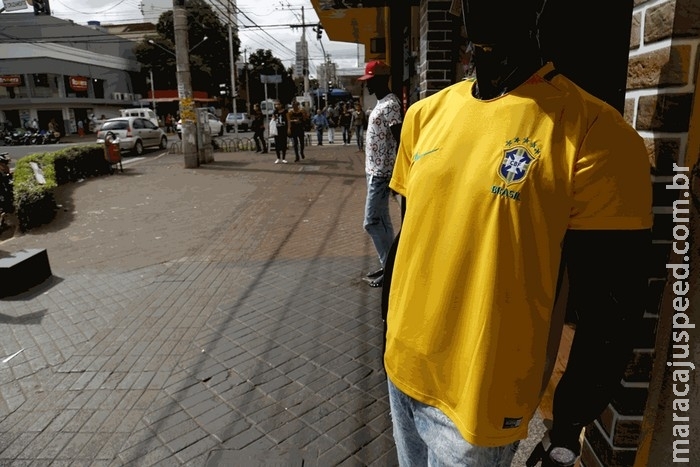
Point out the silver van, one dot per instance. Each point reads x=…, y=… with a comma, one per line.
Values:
x=141, y=112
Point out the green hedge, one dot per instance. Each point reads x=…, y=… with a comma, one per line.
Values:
x=34, y=202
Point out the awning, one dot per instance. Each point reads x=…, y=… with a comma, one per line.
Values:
x=171, y=95
x=175, y=99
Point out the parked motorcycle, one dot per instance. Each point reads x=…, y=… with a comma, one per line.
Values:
x=18, y=137
x=50, y=137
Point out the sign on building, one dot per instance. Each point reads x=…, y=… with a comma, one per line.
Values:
x=15, y=5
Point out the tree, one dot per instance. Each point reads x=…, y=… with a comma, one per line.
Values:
x=209, y=62
x=264, y=63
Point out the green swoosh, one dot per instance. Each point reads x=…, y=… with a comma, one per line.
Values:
x=420, y=155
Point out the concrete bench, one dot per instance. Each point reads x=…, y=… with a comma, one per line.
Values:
x=22, y=270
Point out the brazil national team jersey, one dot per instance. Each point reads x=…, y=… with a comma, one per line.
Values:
x=491, y=188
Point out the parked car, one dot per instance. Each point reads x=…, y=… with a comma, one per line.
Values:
x=215, y=125
x=239, y=119
x=134, y=133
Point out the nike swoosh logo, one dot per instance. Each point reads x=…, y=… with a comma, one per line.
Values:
x=418, y=156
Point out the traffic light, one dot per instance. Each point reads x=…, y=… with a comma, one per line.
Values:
x=319, y=31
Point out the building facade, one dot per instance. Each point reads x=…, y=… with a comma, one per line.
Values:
x=55, y=69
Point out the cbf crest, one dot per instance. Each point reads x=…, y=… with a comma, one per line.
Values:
x=515, y=165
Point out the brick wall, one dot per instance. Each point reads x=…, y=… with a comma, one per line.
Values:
x=437, y=47
x=663, y=65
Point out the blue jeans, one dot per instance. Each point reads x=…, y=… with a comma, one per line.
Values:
x=360, y=132
x=377, y=222
x=425, y=436
x=319, y=135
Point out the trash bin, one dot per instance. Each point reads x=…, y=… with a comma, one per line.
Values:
x=113, y=153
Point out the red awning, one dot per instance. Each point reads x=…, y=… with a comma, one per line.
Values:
x=170, y=95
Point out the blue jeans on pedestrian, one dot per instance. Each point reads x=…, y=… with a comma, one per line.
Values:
x=360, y=132
x=319, y=135
x=377, y=221
x=425, y=436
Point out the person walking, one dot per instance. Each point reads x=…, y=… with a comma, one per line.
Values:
x=496, y=204
x=258, y=127
x=332, y=115
x=320, y=123
x=382, y=138
x=297, y=115
x=81, y=129
x=357, y=123
x=52, y=126
x=168, y=123
x=344, y=121
x=281, y=123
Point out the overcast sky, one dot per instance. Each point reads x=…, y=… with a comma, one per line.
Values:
x=274, y=14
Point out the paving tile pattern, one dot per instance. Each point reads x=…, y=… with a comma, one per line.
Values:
x=253, y=329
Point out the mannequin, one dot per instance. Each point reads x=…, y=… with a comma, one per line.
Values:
x=507, y=53
x=606, y=267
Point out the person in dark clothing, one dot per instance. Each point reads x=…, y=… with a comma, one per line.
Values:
x=280, y=120
x=296, y=118
x=344, y=120
x=258, y=127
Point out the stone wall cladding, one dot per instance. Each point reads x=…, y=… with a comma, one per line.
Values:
x=660, y=68
x=664, y=61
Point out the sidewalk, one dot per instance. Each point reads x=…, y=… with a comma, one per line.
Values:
x=201, y=317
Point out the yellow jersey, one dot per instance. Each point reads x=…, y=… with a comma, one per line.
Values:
x=491, y=189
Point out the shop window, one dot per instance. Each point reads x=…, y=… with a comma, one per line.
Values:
x=98, y=87
x=41, y=80
x=42, y=87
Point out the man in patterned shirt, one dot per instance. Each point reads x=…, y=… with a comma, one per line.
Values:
x=381, y=143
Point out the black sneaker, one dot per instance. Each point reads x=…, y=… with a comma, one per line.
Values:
x=377, y=282
x=375, y=274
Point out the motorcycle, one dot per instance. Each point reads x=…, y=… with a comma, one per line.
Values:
x=18, y=137
x=50, y=137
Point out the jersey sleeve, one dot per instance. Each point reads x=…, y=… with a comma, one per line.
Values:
x=612, y=178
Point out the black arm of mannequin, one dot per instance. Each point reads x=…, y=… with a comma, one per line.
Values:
x=396, y=131
x=608, y=274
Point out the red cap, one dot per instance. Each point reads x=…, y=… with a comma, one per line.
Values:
x=375, y=68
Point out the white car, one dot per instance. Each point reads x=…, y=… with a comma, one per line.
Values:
x=240, y=120
x=134, y=133
x=215, y=125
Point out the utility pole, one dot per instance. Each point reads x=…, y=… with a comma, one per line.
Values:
x=153, y=92
x=184, y=85
x=305, y=59
x=247, y=78
x=234, y=90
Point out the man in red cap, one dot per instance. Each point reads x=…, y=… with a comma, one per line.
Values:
x=381, y=143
